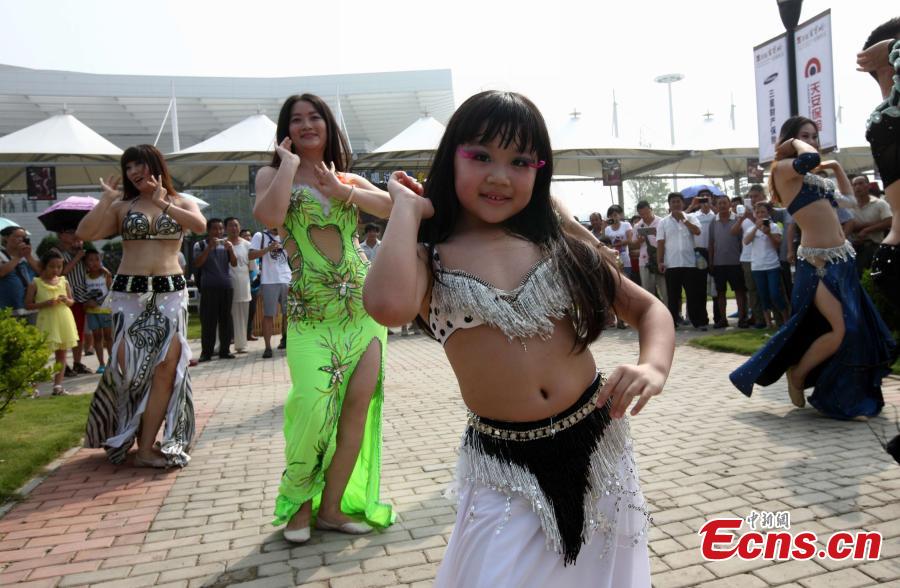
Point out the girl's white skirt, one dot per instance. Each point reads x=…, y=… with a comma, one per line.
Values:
x=498, y=541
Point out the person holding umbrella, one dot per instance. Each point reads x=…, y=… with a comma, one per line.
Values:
x=147, y=380
x=62, y=218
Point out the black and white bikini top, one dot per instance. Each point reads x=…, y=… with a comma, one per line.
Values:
x=136, y=226
x=460, y=300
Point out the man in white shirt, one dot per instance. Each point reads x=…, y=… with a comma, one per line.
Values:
x=678, y=261
x=871, y=221
x=275, y=278
x=371, y=243
x=240, y=283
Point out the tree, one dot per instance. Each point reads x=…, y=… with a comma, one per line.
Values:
x=653, y=190
x=23, y=355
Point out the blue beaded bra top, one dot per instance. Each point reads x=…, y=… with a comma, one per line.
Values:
x=814, y=188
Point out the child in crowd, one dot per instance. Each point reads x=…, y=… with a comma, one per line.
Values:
x=99, y=317
x=547, y=484
x=764, y=240
x=49, y=294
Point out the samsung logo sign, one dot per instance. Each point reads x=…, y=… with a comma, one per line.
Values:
x=771, y=78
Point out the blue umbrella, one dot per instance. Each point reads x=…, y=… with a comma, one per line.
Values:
x=5, y=222
x=692, y=191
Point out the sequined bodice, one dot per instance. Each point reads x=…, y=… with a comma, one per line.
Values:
x=323, y=289
x=136, y=226
x=460, y=300
x=813, y=188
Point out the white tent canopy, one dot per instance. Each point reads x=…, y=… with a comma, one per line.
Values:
x=414, y=146
x=62, y=134
x=79, y=154
x=580, y=145
x=423, y=135
x=225, y=157
x=254, y=134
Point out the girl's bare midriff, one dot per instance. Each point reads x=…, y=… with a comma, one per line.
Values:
x=504, y=380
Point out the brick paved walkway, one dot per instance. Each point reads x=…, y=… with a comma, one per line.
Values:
x=704, y=450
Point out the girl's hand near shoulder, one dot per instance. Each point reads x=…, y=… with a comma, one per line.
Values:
x=628, y=382
x=406, y=191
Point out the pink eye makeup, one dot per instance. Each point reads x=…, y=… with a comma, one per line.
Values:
x=467, y=153
x=480, y=155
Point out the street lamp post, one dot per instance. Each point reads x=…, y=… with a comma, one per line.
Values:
x=668, y=80
x=789, y=10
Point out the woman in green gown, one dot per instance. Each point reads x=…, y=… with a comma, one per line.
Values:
x=335, y=351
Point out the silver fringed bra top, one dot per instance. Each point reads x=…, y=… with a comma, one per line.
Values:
x=460, y=300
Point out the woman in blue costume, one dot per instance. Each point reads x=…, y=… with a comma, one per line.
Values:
x=835, y=341
x=335, y=351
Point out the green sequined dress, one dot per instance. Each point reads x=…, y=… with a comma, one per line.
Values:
x=328, y=332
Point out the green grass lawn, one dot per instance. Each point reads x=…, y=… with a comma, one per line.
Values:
x=193, y=326
x=35, y=432
x=745, y=342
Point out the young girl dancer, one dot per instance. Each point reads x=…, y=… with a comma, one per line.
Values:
x=548, y=488
x=50, y=294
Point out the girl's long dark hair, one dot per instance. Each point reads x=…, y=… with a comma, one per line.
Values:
x=513, y=119
x=154, y=160
x=337, y=149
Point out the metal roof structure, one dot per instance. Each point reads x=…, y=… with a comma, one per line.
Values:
x=130, y=109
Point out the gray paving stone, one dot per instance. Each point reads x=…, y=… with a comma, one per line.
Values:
x=744, y=454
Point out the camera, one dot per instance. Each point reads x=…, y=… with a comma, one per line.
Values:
x=27, y=240
x=767, y=222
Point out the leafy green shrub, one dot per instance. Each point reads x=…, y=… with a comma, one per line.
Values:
x=23, y=359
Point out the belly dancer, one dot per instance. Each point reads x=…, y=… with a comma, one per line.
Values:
x=881, y=58
x=835, y=341
x=146, y=381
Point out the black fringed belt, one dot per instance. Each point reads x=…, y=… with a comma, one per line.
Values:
x=142, y=284
x=563, y=465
